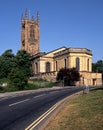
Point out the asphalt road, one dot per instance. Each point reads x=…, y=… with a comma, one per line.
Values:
x=18, y=112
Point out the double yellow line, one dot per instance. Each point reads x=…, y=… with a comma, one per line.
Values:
x=42, y=117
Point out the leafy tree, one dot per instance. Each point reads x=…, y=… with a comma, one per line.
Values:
x=18, y=78
x=8, y=54
x=98, y=67
x=7, y=62
x=68, y=75
x=23, y=62
x=15, y=68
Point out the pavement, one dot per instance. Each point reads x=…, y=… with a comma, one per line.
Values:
x=10, y=94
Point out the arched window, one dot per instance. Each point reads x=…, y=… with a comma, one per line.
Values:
x=87, y=64
x=65, y=63
x=36, y=68
x=77, y=64
x=47, y=66
x=56, y=66
x=32, y=32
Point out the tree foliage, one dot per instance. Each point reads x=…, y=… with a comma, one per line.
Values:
x=69, y=75
x=98, y=67
x=23, y=62
x=16, y=68
x=18, y=78
x=7, y=62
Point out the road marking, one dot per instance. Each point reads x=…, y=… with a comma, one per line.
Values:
x=24, y=100
x=42, y=117
x=18, y=102
x=39, y=96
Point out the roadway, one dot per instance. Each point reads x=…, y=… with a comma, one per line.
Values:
x=17, y=112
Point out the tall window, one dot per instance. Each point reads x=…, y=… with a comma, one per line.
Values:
x=32, y=31
x=36, y=68
x=56, y=66
x=88, y=65
x=65, y=62
x=77, y=64
x=32, y=36
x=47, y=66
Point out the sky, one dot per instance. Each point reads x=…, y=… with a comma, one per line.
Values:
x=69, y=23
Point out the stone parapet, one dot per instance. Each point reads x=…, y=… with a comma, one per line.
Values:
x=73, y=50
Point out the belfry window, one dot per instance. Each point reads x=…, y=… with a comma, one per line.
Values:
x=77, y=64
x=47, y=66
x=32, y=32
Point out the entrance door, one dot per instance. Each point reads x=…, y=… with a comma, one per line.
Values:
x=94, y=82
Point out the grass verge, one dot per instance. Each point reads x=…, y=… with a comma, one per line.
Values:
x=81, y=112
x=32, y=84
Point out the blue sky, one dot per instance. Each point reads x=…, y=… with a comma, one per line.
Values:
x=70, y=23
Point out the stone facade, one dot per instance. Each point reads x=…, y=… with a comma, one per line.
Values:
x=30, y=34
x=47, y=65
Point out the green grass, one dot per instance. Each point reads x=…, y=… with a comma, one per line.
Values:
x=81, y=112
x=39, y=83
x=32, y=84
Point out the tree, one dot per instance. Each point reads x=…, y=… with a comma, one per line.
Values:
x=23, y=62
x=18, y=78
x=7, y=62
x=98, y=67
x=8, y=54
x=16, y=69
x=68, y=75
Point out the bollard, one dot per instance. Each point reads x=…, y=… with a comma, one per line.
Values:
x=85, y=89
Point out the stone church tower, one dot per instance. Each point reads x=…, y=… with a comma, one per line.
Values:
x=30, y=38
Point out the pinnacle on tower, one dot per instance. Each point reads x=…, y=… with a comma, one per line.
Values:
x=38, y=16
x=26, y=14
x=33, y=18
x=22, y=17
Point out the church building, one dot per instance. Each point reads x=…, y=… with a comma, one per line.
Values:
x=46, y=65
